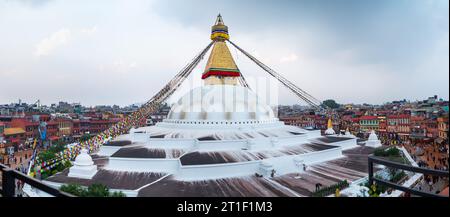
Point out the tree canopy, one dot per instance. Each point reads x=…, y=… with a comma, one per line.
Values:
x=330, y=103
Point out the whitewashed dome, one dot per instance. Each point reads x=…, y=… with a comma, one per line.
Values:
x=373, y=136
x=83, y=159
x=220, y=102
x=330, y=131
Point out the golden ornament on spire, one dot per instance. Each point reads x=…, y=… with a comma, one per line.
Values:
x=330, y=124
x=219, y=31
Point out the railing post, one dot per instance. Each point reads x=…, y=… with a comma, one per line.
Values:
x=370, y=171
x=8, y=182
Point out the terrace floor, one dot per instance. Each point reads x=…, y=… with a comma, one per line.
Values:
x=351, y=167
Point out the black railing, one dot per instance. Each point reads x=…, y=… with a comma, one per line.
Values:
x=372, y=159
x=9, y=177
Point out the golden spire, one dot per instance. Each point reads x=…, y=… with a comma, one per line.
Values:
x=220, y=68
x=330, y=124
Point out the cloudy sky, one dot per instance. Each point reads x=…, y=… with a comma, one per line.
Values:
x=123, y=52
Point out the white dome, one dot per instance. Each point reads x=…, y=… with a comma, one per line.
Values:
x=373, y=136
x=220, y=102
x=83, y=159
x=373, y=140
x=329, y=131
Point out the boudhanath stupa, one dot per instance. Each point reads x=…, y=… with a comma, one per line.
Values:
x=220, y=140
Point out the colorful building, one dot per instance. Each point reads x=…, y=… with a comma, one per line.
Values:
x=305, y=121
x=15, y=138
x=418, y=128
x=368, y=123
x=443, y=128
x=400, y=125
x=30, y=127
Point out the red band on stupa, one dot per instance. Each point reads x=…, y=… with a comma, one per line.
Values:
x=221, y=73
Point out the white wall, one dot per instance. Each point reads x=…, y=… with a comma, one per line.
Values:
x=312, y=134
x=258, y=144
x=222, y=145
x=346, y=144
x=286, y=164
x=139, y=137
x=171, y=143
x=215, y=171
x=108, y=150
x=292, y=140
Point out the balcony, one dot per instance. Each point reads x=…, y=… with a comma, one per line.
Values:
x=9, y=177
x=395, y=165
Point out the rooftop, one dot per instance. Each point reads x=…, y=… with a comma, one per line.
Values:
x=13, y=131
x=367, y=117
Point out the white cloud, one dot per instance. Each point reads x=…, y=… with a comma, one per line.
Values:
x=55, y=40
x=60, y=38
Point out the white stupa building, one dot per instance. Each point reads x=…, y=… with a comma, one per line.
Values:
x=83, y=166
x=373, y=140
x=221, y=140
x=330, y=130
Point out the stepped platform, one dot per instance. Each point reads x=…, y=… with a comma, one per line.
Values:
x=112, y=179
x=199, y=158
x=230, y=187
x=351, y=167
x=144, y=152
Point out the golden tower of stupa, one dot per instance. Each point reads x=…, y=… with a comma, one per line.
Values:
x=221, y=68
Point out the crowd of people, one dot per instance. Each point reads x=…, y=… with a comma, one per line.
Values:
x=429, y=155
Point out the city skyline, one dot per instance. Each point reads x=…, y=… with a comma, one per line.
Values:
x=384, y=50
x=169, y=104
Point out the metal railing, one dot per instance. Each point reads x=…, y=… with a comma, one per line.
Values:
x=376, y=160
x=9, y=177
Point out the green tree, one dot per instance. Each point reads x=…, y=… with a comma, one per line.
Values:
x=98, y=190
x=57, y=147
x=118, y=194
x=74, y=189
x=94, y=190
x=330, y=103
